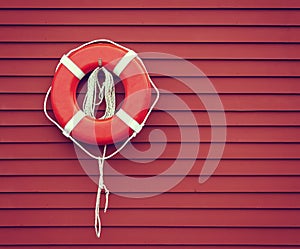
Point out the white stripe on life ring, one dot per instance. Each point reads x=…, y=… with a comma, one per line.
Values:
x=73, y=122
x=72, y=67
x=124, y=61
x=129, y=121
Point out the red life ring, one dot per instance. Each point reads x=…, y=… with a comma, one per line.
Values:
x=134, y=107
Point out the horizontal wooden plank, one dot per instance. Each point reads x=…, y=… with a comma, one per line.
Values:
x=170, y=118
x=26, y=50
x=149, y=34
x=179, y=236
x=168, y=102
x=148, y=246
x=171, y=68
x=154, y=4
x=152, y=218
x=51, y=134
x=145, y=17
x=74, y=167
x=276, y=85
x=232, y=151
x=165, y=200
x=218, y=184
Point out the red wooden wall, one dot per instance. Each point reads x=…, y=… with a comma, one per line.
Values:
x=249, y=49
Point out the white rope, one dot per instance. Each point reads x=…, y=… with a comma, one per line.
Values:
x=90, y=104
x=91, y=101
x=108, y=89
x=101, y=186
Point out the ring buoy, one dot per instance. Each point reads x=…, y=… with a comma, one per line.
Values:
x=127, y=120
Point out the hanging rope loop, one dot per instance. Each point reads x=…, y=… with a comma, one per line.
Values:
x=101, y=186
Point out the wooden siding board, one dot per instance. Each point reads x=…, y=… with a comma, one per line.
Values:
x=233, y=118
x=227, y=167
x=216, y=184
x=69, y=200
x=64, y=33
x=223, y=85
x=54, y=50
x=138, y=236
x=231, y=102
x=152, y=218
x=228, y=68
x=145, y=17
x=231, y=151
x=143, y=246
x=172, y=134
x=148, y=246
x=153, y=4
